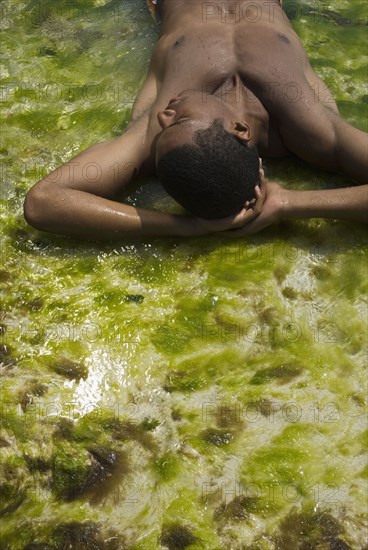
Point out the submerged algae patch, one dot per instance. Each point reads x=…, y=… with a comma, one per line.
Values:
x=70, y=473
x=102, y=428
x=310, y=529
x=180, y=380
x=81, y=536
x=78, y=535
x=12, y=496
x=93, y=475
x=167, y=466
x=26, y=394
x=217, y=437
x=282, y=373
x=238, y=509
x=177, y=537
x=70, y=369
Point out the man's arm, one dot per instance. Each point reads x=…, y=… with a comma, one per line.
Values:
x=319, y=136
x=350, y=148
x=77, y=199
x=328, y=142
x=349, y=203
x=313, y=131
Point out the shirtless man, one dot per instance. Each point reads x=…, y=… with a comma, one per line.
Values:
x=240, y=68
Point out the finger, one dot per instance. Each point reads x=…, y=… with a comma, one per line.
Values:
x=241, y=219
x=238, y=219
x=250, y=204
x=252, y=227
x=260, y=201
x=248, y=213
x=261, y=171
x=222, y=224
x=263, y=185
x=259, y=196
x=246, y=217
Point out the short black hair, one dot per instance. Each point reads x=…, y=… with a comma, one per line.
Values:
x=214, y=176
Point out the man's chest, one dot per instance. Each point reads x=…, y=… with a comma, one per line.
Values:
x=201, y=58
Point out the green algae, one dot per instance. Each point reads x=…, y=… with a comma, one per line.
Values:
x=92, y=475
x=69, y=474
x=167, y=466
x=99, y=426
x=171, y=392
x=238, y=509
x=195, y=527
x=217, y=437
x=81, y=535
x=312, y=529
x=69, y=369
x=184, y=380
x=26, y=394
x=282, y=373
x=78, y=535
x=12, y=496
x=177, y=537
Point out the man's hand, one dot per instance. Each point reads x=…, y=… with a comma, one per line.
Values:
x=232, y=224
x=348, y=203
x=269, y=212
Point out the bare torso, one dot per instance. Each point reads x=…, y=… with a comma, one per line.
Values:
x=206, y=45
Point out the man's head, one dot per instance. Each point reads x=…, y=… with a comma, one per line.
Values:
x=204, y=158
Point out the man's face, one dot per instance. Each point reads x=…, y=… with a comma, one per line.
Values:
x=188, y=112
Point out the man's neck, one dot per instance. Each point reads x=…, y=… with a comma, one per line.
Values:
x=258, y=119
x=247, y=107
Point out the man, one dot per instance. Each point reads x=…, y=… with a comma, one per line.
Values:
x=227, y=81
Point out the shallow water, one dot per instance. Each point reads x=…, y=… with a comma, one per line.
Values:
x=185, y=394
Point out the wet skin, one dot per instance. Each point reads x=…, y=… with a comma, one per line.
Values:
x=244, y=63
x=191, y=111
x=241, y=62
x=250, y=60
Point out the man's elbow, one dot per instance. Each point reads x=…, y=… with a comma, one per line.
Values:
x=35, y=207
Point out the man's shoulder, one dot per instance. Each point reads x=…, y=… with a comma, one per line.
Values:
x=309, y=133
x=306, y=125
